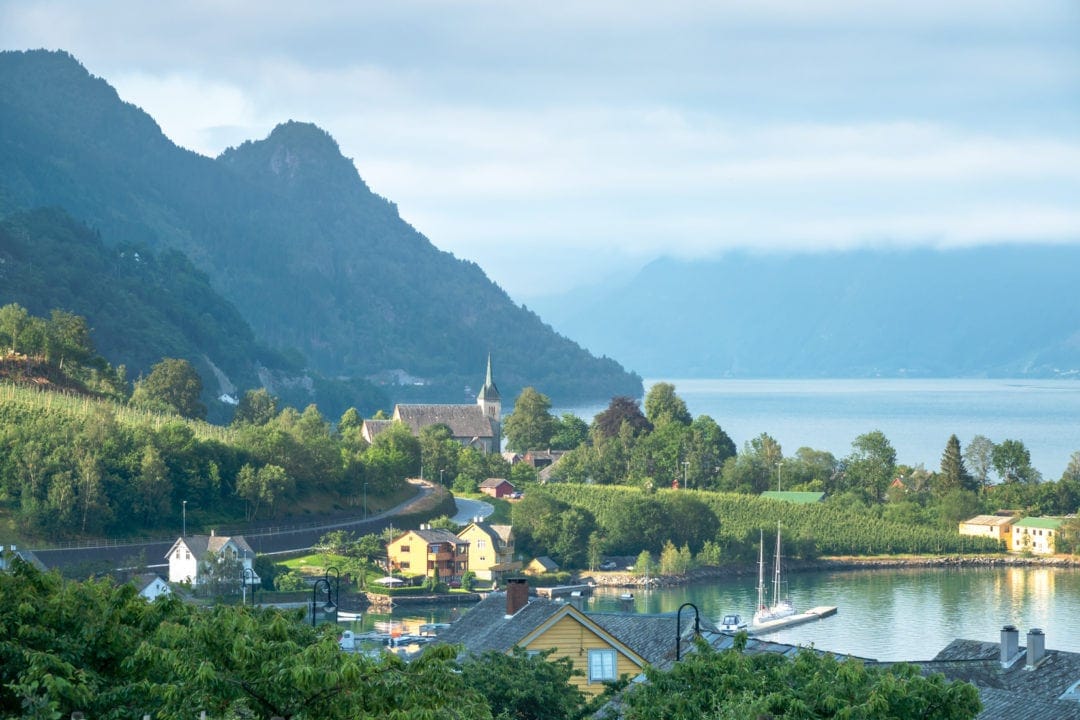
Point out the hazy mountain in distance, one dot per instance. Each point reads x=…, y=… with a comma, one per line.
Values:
x=992, y=311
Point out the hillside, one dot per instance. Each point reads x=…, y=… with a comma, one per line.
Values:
x=285, y=230
x=1001, y=311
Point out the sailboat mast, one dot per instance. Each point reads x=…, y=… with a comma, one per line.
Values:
x=776, y=573
x=761, y=572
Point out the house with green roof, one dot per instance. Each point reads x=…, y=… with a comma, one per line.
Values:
x=1036, y=535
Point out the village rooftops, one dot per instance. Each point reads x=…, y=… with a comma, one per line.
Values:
x=990, y=520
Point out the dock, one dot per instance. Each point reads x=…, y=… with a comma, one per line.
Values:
x=818, y=613
x=564, y=591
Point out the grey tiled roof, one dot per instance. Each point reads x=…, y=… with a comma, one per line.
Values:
x=653, y=636
x=199, y=545
x=1013, y=693
x=437, y=536
x=495, y=482
x=465, y=421
x=486, y=626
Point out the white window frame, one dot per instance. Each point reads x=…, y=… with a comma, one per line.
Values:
x=602, y=665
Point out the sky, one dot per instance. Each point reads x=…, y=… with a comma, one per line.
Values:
x=560, y=143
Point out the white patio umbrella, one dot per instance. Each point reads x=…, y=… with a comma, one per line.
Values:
x=390, y=580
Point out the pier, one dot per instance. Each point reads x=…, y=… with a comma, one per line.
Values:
x=818, y=613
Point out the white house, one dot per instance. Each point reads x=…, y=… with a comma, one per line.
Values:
x=151, y=586
x=187, y=556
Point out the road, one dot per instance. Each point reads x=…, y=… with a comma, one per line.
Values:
x=469, y=509
x=151, y=554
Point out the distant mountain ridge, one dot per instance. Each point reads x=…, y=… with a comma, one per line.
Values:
x=993, y=311
x=288, y=233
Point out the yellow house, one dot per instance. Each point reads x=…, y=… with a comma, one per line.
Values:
x=998, y=527
x=1035, y=535
x=424, y=552
x=491, y=549
x=604, y=647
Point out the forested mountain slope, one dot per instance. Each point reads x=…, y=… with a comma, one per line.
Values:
x=286, y=230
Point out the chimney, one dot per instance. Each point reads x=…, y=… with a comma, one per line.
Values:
x=517, y=595
x=1036, y=648
x=1010, y=644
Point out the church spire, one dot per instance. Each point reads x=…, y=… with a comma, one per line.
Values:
x=488, y=398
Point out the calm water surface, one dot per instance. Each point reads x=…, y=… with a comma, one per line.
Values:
x=884, y=614
x=917, y=416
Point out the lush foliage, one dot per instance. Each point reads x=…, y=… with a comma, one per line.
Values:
x=521, y=686
x=732, y=685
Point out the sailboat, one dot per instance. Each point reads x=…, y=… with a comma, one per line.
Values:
x=780, y=607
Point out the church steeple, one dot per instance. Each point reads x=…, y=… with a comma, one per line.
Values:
x=489, y=399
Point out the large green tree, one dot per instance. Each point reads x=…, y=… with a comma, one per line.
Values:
x=662, y=405
x=525, y=686
x=871, y=466
x=172, y=385
x=954, y=474
x=531, y=425
x=1012, y=462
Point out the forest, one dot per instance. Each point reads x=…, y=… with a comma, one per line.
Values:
x=100, y=649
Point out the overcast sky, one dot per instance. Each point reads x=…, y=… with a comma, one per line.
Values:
x=552, y=142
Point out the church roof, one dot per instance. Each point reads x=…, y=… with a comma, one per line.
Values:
x=464, y=421
x=489, y=393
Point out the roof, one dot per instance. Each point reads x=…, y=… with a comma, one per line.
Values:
x=992, y=520
x=464, y=421
x=502, y=532
x=432, y=536
x=1046, y=523
x=145, y=580
x=373, y=427
x=26, y=556
x=1013, y=693
x=802, y=498
x=489, y=393
x=199, y=545
x=650, y=637
x=545, y=562
x=495, y=482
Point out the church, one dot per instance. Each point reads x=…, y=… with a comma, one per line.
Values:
x=476, y=425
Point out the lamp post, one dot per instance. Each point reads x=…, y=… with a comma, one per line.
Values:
x=247, y=579
x=778, y=475
x=678, y=628
x=183, y=509
x=337, y=583
x=365, y=499
x=441, y=471
x=329, y=606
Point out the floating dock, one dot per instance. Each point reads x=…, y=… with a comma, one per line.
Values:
x=818, y=613
x=564, y=591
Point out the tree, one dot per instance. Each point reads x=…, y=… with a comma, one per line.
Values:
x=725, y=685
x=262, y=487
x=173, y=386
x=662, y=406
x=1012, y=462
x=570, y=432
x=530, y=426
x=621, y=411
x=979, y=456
x=871, y=466
x=440, y=453
x=954, y=476
x=525, y=686
x=13, y=321
x=256, y=407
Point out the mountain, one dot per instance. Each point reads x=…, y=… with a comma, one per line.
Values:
x=993, y=311
x=285, y=230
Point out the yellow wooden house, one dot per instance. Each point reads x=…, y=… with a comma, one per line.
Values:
x=604, y=646
x=427, y=552
x=998, y=527
x=491, y=549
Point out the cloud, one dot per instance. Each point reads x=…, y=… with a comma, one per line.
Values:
x=581, y=136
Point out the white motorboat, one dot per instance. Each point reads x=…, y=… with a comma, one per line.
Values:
x=781, y=607
x=732, y=623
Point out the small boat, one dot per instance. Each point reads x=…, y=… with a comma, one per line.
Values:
x=732, y=623
x=346, y=616
x=780, y=607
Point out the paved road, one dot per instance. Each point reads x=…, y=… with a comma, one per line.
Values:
x=152, y=554
x=469, y=509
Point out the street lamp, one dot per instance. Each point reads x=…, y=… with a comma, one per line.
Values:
x=247, y=578
x=329, y=607
x=337, y=583
x=778, y=475
x=441, y=471
x=183, y=507
x=678, y=627
x=365, y=499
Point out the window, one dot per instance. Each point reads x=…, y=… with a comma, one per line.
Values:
x=404, y=564
x=404, y=548
x=601, y=665
x=481, y=544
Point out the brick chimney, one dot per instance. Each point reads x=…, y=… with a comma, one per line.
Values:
x=1010, y=644
x=1036, y=648
x=517, y=595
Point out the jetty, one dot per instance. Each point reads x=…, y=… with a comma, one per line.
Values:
x=564, y=591
x=819, y=613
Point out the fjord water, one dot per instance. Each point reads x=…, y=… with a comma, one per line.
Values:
x=889, y=614
x=893, y=614
x=917, y=416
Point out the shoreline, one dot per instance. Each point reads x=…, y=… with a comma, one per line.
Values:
x=628, y=580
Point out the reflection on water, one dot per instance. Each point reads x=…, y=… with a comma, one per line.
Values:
x=884, y=614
